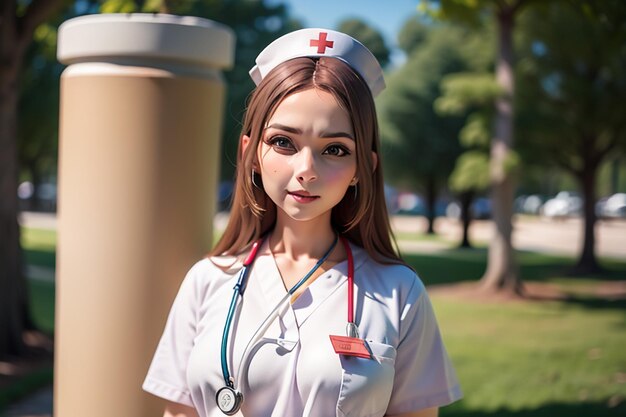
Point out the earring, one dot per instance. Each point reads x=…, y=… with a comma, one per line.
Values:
x=253, y=182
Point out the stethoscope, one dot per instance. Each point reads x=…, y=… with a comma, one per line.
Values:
x=228, y=398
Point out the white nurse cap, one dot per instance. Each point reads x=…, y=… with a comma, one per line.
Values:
x=316, y=43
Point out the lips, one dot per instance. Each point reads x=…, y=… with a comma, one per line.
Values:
x=302, y=196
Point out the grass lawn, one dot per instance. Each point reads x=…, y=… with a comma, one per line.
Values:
x=536, y=358
x=40, y=250
x=531, y=358
x=515, y=359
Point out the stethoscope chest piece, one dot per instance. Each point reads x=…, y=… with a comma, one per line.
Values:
x=229, y=400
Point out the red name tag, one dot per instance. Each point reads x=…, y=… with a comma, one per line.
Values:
x=350, y=346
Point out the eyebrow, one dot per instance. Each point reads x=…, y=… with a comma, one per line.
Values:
x=299, y=132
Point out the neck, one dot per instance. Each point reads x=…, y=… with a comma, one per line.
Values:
x=298, y=240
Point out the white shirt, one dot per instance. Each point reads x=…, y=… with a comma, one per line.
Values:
x=293, y=370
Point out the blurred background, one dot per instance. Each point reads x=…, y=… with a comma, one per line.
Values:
x=496, y=112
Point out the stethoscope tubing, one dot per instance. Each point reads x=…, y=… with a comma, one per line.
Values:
x=238, y=292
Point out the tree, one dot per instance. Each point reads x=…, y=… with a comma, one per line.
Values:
x=18, y=21
x=37, y=116
x=419, y=145
x=368, y=36
x=501, y=273
x=470, y=176
x=574, y=84
x=471, y=95
x=474, y=95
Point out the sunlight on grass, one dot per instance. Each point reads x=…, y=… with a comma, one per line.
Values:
x=39, y=247
x=38, y=239
x=523, y=355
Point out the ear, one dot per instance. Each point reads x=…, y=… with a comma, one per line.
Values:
x=245, y=141
x=374, y=161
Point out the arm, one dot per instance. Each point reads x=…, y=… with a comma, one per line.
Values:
x=429, y=412
x=173, y=409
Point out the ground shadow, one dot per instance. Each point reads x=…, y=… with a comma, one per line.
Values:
x=548, y=410
x=39, y=257
x=466, y=265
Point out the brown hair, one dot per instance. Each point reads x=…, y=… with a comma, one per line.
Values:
x=362, y=218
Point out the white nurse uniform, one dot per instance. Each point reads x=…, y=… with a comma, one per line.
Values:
x=293, y=370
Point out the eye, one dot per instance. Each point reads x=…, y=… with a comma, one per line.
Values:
x=337, y=150
x=280, y=142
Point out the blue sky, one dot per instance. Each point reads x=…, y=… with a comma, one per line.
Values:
x=387, y=16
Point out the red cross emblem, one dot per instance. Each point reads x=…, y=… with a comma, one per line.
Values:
x=322, y=43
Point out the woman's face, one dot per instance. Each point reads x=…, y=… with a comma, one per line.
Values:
x=307, y=155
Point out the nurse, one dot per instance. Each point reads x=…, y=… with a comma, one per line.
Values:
x=304, y=308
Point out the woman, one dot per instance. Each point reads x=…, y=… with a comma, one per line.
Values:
x=325, y=318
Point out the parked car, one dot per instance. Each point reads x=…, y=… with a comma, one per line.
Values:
x=614, y=206
x=564, y=204
x=410, y=204
x=529, y=204
x=480, y=209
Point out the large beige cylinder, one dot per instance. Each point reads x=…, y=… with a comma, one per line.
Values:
x=141, y=111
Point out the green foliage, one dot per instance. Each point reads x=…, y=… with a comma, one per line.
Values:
x=464, y=91
x=572, y=83
x=469, y=12
x=39, y=101
x=419, y=145
x=118, y=6
x=471, y=172
x=476, y=132
x=471, y=94
x=368, y=36
x=412, y=34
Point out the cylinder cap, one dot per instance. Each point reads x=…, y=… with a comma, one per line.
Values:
x=183, y=39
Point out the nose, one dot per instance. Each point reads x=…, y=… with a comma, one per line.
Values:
x=305, y=169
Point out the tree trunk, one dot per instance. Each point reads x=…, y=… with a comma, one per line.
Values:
x=431, y=197
x=587, y=262
x=501, y=273
x=13, y=301
x=465, y=199
x=15, y=36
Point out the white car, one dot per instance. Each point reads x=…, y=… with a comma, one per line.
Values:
x=615, y=206
x=565, y=204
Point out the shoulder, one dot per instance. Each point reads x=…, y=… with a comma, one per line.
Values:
x=207, y=273
x=226, y=264
x=397, y=277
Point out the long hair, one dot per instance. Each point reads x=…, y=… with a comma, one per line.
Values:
x=361, y=215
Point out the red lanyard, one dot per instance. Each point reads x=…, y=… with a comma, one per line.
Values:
x=350, y=279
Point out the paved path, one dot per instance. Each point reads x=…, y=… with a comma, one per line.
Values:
x=562, y=237
x=39, y=404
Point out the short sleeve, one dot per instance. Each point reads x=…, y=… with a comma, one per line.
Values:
x=424, y=375
x=166, y=376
